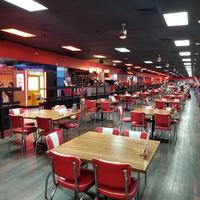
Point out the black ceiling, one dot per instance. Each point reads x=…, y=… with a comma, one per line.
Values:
x=94, y=25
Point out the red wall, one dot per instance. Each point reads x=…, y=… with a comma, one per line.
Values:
x=24, y=53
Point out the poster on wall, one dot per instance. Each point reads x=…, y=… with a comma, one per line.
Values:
x=20, y=81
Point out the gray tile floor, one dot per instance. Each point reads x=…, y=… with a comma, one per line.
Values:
x=173, y=174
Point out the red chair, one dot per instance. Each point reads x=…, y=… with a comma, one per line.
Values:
x=118, y=98
x=160, y=104
x=68, y=174
x=45, y=127
x=143, y=96
x=168, y=97
x=109, y=131
x=135, y=134
x=129, y=101
x=73, y=124
x=19, y=111
x=114, y=180
x=107, y=108
x=18, y=127
x=138, y=120
x=91, y=106
x=121, y=117
x=163, y=124
x=54, y=139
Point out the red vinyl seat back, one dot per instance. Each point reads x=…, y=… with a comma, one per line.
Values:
x=105, y=105
x=54, y=139
x=168, y=97
x=160, y=104
x=162, y=120
x=44, y=123
x=175, y=106
x=118, y=97
x=90, y=104
x=138, y=117
x=135, y=134
x=109, y=131
x=143, y=95
x=128, y=98
x=111, y=174
x=63, y=165
x=16, y=121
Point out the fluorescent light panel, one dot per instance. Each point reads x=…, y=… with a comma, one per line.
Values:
x=176, y=19
x=185, y=53
x=18, y=32
x=116, y=61
x=122, y=50
x=158, y=67
x=71, y=48
x=137, y=67
x=148, y=62
x=129, y=65
x=186, y=59
x=182, y=43
x=99, y=56
x=29, y=5
x=188, y=63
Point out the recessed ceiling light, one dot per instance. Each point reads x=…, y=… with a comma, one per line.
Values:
x=116, y=61
x=71, y=48
x=166, y=70
x=176, y=19
x=181, y=43
x=196, y=53
x=197, y=43
x=99, y=56
x=137, y=67
x=185, y=53
x=18, y=32
x=144, y=69
x=29, y=5
x=198, y=21
x=158, y=67
x=148, y=62
x=186, y=59
x=129, y=65
x=188, y=63
x=122, y=50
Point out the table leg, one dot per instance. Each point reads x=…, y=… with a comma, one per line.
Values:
x=152, y=127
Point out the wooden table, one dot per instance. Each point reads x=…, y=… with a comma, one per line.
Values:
x=54, y=115
x=168, y=100
x=111, y=148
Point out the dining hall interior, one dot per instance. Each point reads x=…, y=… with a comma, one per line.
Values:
x=99, y=100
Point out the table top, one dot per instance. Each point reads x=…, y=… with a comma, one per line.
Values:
x=53, y=114
x=111, y=148
x=168, y=100
x=152, y=111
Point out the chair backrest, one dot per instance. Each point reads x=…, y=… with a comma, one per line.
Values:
x=168, y=97
x=16, y=111
x=175, y=106
x=111, y=174
x=109, y=131
x=105, y=105
x=112, y=98
x=135, y=134
x=138, y=117
x=16, y=121
x=118, y=97
x=143, y=95
x=90, y=104
x=162, y=120
x=65, y=166
x=44, y=123
x=128, y=98
x=160, y=104
x=54, y=139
